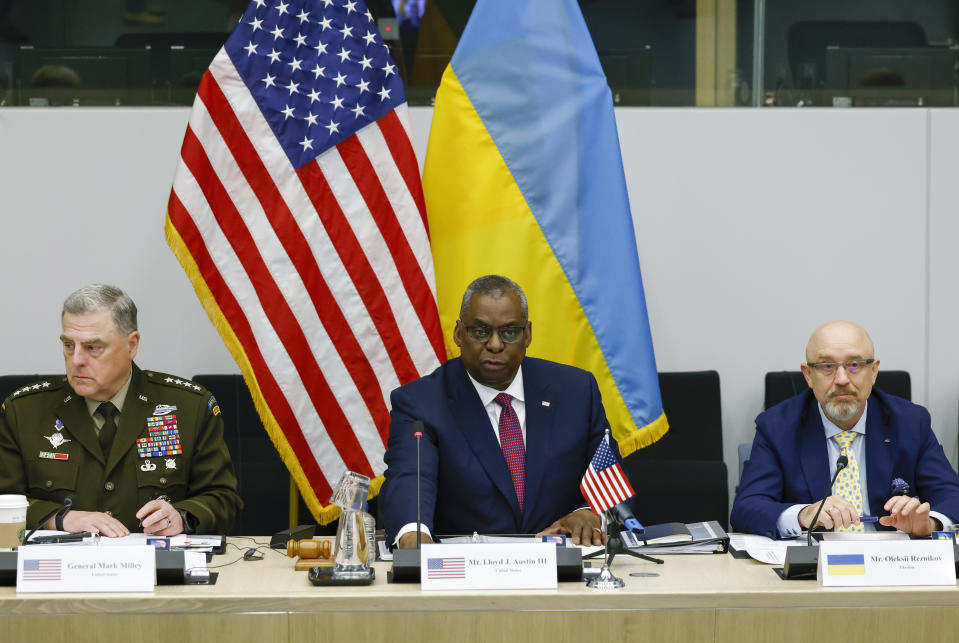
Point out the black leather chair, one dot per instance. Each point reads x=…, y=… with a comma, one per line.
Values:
x=262, y=479
x=682, y=477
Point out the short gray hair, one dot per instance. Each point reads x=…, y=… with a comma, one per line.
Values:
x=493, y=286
x=98, y=297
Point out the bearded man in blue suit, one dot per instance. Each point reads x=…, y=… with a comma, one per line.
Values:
x=897, y=469
x=493, y=463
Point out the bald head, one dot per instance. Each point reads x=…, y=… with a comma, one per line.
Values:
x=839, y=336
x=842, y=391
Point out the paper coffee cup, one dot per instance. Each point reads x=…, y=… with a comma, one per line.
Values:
x=13, y=520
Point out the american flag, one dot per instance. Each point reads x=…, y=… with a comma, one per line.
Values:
x=446, y=568
x=41, y=569
x=605, y=484
x=297, y=212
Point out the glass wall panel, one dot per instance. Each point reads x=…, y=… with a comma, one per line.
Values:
x=655, y=52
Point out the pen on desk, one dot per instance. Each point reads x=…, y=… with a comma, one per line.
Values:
x=60, y=538
x=868, y=518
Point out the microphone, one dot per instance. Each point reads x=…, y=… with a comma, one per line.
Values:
x=624, y=514
x=406, y=562
x=418, y=434
x=841, y=463
x=802, y=560
x=67, y=504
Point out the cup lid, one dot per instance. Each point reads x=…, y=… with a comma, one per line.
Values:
x=13, y=501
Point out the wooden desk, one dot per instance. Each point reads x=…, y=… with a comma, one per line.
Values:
x=694, y=598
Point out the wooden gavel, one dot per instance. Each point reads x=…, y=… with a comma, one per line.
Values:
x=308, y=548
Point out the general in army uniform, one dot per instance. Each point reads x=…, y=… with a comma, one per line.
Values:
x=132, y=449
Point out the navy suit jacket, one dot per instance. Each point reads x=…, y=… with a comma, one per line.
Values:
x=789, y=462
x=466, y=485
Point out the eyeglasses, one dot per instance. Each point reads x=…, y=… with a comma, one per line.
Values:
x=508, y=334
x=852, y=367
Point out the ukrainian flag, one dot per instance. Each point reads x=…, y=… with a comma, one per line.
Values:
x=846, y=564
x=524, y=178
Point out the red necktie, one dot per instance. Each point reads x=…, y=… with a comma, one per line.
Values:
x=511, y=440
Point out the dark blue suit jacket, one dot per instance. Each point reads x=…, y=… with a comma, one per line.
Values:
x=466, y=485
x=789, y=462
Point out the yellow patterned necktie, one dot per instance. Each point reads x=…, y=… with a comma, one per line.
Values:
x=847, y=483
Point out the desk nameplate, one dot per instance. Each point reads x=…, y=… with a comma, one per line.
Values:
x=885, y=563
x=489, y=566
x=70, y=568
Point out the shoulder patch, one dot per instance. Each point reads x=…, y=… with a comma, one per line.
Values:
x=173, y=381
x=213, y=406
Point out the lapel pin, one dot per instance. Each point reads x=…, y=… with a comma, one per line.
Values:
x=886, y=441
x=143, y=398
x=544, y=403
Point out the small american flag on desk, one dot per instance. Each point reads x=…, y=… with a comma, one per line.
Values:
x=446, y=567
x=41, y=569
x=605, y=484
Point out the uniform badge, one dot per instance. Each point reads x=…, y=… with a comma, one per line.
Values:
x=56, y=439
x=148, y=466
x=164, y=409
x=58, y=425
x=170, y=463
x=50, y=455
x=163, y=436
x=213, y=406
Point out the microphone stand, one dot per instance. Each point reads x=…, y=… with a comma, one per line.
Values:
x=614, y=545
x=802, y=561
x=406, y=562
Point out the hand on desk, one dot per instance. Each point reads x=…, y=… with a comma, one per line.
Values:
x=583, y=525
x=908, y=515
x=95, y=522
x=837, y=512
x=160, y=518
x=408, y=540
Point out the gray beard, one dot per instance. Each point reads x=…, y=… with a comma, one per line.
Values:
x=842, y=411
